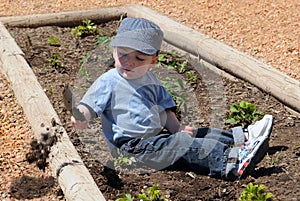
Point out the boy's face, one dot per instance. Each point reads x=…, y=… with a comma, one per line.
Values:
x=132, y=64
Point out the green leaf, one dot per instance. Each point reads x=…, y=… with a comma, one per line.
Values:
x=268, y=196
x=126, y=197
x=234, y=108
x=143, y=197
x=243, y=104
x=231, y=121
x=255, y=193
x=244, y=114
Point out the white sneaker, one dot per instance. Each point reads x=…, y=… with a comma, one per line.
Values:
x=262, y=127
x=251, y=153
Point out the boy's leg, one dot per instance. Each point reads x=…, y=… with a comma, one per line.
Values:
x=181, y=151
x=204, y=154
x=158, y=152
x=234, y=136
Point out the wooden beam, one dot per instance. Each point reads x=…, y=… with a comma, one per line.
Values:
x=279, y=85
x=73, y=177
x=70, y=18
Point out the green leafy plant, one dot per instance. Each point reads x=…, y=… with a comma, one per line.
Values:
x=83, y=70
x=176, y=87
x=104, y=38
x=255, y=193
x=272, y=160
x=243, y=114
x=53, y=41
x=51, y=91
x=88, y=28
x=85, y=59
x=192, y=77
x=182, y=67
x=123, y=161
x=126, y=197
x=173, y=61
x=55, y=62
x=153, y=194
x=167, y=58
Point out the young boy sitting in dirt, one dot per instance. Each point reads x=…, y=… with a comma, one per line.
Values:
x=135, y=108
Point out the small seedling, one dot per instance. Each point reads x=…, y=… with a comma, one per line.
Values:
x=104, y=39
x=83, y=71
x=176, y=87
x=126, y=197
x=153, y=194
x=173, y=61
x=192, y=77
x=166, y=58
x=180, y=65
x=88, y=28
x=124, y=161
x=55, y=62
x=255, y=193
x=51, y=91
x=53, y=41
x=273, y=159
x=85, y=59
x=243, y=114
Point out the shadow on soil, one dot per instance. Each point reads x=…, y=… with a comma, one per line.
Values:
x=274, y=149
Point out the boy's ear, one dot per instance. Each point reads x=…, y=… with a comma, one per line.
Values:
x=115, y=53
x=154, y=60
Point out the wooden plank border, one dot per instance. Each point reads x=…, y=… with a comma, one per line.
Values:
x=69, y=18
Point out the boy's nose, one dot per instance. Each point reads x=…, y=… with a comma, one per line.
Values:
x=128, y=62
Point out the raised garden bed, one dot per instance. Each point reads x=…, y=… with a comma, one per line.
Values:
x=214, y=93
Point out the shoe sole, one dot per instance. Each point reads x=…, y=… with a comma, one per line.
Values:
x=267, y=129
x=249, y=166
x=267, y=132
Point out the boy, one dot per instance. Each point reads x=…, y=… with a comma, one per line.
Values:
x=135, y=108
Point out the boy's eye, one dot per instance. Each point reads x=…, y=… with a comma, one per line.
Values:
x=121, y=54
x=140, y=59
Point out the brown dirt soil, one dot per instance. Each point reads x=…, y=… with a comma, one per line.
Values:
x=278, y=171
x=20, y=180
x=246, y=26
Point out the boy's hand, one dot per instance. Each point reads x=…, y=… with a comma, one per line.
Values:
x=77, y=114
x=83, y=122
x=78, y=124
x=187, y=129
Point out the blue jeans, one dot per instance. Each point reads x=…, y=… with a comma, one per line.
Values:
x=209, y=151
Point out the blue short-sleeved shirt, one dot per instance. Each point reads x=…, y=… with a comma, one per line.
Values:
x=128, y=108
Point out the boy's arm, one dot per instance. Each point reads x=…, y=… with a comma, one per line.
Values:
x=173, y=125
